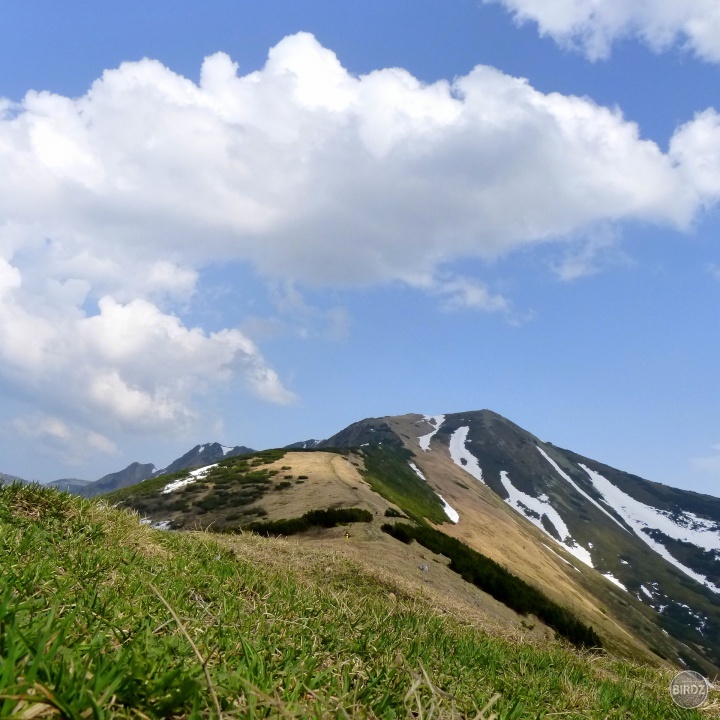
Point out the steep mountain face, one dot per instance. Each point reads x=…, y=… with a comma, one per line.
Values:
x=132, y=474
x=202, y=455
x=657, y=547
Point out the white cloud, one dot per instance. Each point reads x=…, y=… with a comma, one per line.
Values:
x=598, y=250
x=465, y=293
x=112, y=205
x=130, y=365
x=695, y=149
x=594, y=25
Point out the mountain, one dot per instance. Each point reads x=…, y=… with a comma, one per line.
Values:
x=202, y=455
x=303, y=445
x=637, y=561
x=131, y=475
x=71, y=485
x=6, y=479
x=658, y=546
x=136, y=472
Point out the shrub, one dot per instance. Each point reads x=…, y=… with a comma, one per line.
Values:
x=495, y=580
x=315, y=518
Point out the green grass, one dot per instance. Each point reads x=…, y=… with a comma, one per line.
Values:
x=101, y=617
x=388, y=473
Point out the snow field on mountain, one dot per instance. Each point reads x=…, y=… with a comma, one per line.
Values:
x=459, y=453
x=539, y=507
x=638, y=516
x=424, y=440
x=567, y=478
x=615, y=581
x=191, y=478
x=560, y=556
x=449, y=510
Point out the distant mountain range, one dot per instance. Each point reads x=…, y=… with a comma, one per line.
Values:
x=635, y=557
x=136, y=472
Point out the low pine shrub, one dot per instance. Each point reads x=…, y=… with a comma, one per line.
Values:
x=495, y=580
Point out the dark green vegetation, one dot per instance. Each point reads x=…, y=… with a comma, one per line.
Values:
x=388, y=473
x=332, y=517
x=221, y=498
x=495, y=580
x=99, y=618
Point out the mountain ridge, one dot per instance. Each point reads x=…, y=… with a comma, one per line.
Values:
x=646, y=552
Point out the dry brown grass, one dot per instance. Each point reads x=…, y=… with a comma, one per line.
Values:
x=333, y=481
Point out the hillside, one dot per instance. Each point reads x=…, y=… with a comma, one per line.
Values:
x=104, y=617
x=254, y=491
x=642, y=552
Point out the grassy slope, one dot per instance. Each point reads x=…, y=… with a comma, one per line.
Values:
x=241, y=491
x=83, y=632
x=388, y=471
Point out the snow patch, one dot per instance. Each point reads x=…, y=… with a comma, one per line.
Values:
x=462, y=456
x=424, y=440
x=191, y=478
x=567, y=562
x=646, y=592
x=160, y=525
x=225, y=450
x=201, y=448
x=418, y=472
x=449, y=511
x=203, y=471
x=615, y=581
x=637, y=515
x=568, y=479
x=534, y=509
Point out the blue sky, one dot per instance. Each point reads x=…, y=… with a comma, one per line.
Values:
x=200, y=243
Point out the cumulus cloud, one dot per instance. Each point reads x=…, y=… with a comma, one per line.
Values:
x=113, y=203
x=129, y=364
x=594, y=25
